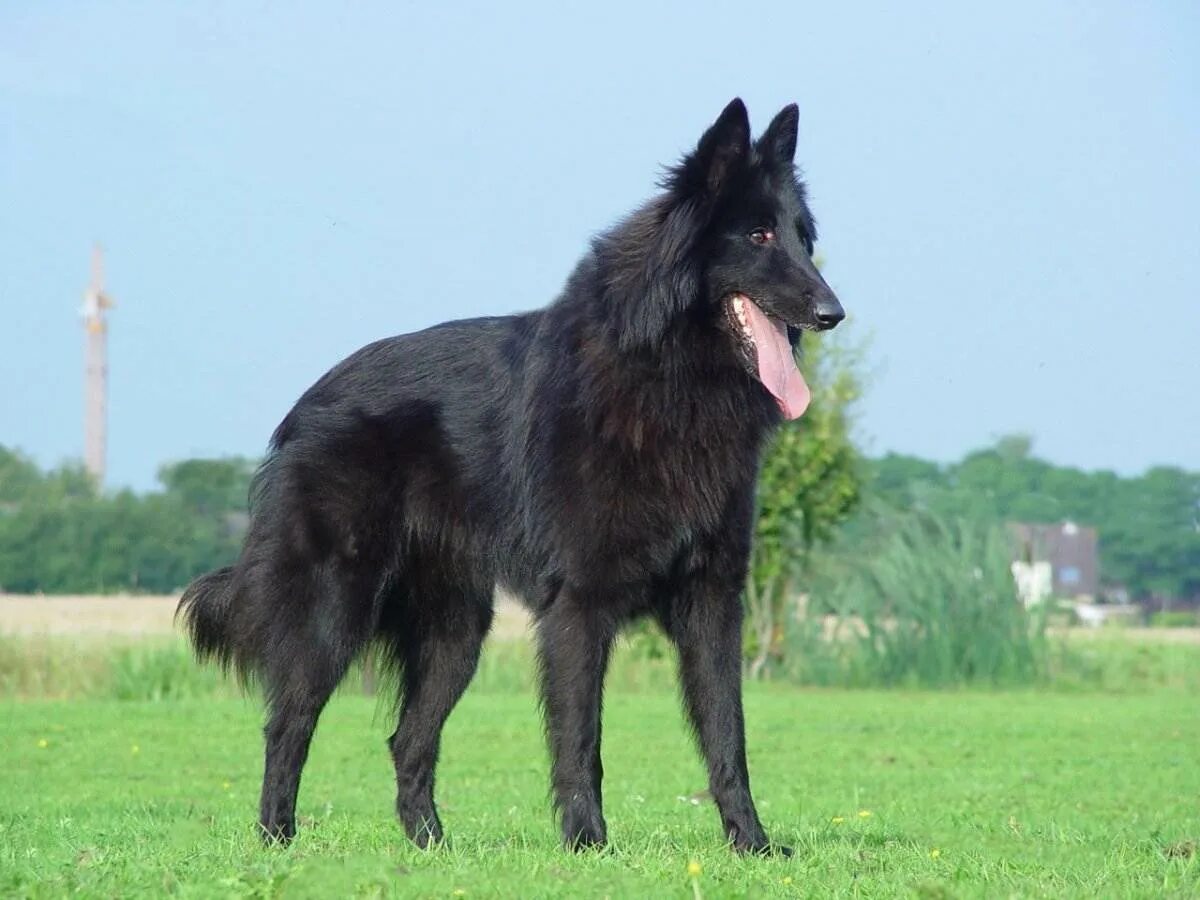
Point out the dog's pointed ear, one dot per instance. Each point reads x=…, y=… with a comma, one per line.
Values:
x=778, y=142
x=722, y=149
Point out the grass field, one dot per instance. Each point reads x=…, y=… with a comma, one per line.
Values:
x=882, y=794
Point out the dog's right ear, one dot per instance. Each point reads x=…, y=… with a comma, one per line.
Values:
x=778, y=142
x=722, y=149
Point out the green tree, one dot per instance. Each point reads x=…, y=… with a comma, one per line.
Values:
x=20, y=478
x=1151, y=540
x=900, y=480
x=209, y=485
x=58, y=535
x=808, y=486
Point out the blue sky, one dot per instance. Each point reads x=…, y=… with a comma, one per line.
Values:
x=1009, y=199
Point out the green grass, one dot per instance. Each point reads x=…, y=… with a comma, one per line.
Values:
x=969, y=794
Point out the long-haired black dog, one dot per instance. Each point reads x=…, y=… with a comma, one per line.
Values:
x=597, y=458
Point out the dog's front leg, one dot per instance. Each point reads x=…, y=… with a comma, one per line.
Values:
x=574, y=641
x=704, y=620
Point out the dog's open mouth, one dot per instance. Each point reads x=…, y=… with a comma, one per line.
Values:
x=763, y=342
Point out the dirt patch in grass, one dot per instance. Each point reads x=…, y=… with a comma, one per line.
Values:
x=125, y=615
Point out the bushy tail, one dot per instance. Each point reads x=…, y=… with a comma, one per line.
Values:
x=206, y=610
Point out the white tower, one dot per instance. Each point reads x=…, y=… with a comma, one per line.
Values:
x=96, y=303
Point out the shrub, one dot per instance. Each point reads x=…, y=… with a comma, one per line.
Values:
x=1175, y=618
x=163, y=672
x=924, y=601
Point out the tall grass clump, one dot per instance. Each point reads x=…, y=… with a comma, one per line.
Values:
x=923, y=601
x=57, y=667
x=48, y=668
x=165, y=671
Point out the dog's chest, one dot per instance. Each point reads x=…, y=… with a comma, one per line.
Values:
x=628, y=509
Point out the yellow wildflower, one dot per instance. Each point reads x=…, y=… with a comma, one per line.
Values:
x=864, y=814
x=935, y=853
x=43, y=743
x=694, y=869
x=838, y=820
x=787, y=879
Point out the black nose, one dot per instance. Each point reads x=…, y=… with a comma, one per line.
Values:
x=828, y=312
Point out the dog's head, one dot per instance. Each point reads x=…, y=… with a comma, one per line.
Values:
x=755, y=254
x=760, y=234
x=729, y=242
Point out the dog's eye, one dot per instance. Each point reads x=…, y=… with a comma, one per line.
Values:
x=762, y=235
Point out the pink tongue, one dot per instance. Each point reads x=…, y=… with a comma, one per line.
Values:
x=776, y=362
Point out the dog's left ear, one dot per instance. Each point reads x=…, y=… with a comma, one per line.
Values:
x=725, y=145
x=778, y=142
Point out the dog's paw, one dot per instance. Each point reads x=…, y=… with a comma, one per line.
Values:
x=583, y=830
x=754, y=841
x=277, y=834
x=428, y=836
x=424, y=829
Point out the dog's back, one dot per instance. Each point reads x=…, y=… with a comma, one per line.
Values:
x=397, y=455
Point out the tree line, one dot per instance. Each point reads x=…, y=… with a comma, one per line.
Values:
x=58, y=534
x=1148, y=524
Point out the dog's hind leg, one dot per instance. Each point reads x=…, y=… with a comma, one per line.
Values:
x=437, y=640
x=574, y=642
x=312, y=645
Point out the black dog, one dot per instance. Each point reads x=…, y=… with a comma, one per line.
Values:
x=597, y=457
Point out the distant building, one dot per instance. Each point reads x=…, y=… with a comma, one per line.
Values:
x=1060, y=560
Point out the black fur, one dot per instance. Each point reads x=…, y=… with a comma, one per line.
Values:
x=597, y=458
